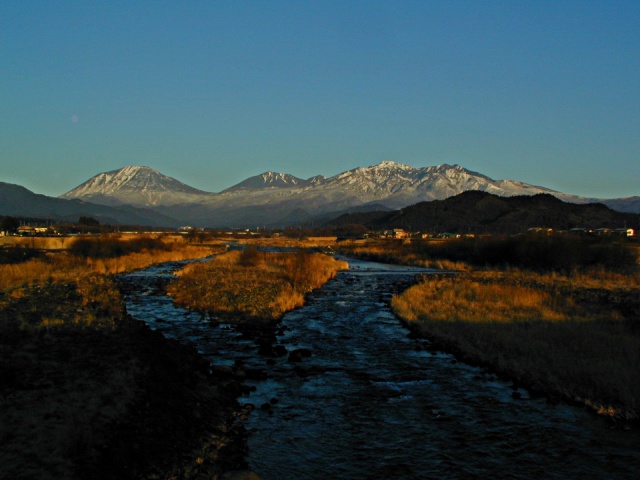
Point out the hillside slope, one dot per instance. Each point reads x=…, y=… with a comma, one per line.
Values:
x=481, y=212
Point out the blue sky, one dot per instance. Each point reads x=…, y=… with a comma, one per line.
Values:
x=212, y=92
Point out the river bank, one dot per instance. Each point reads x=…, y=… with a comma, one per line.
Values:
x=577, y=344
x=87, y=391
x=571, y=337
x=109, y=400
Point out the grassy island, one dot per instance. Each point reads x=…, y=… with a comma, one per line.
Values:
x=560, y=316
x=247, y=285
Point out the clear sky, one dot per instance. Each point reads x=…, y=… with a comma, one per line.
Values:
x=212, y=92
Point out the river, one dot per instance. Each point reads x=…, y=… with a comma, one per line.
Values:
x=348, y=394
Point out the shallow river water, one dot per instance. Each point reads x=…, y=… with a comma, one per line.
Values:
x=364, y=400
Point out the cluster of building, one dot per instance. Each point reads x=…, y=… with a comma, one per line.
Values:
x=622, y=232
x=28, y=230
x=400, y=233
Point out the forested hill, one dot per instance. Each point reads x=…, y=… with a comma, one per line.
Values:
x=481, y=212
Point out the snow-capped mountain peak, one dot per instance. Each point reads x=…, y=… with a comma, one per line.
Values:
x=269, y=180
x=279, y=179
x=390, y=165
x=138, y=185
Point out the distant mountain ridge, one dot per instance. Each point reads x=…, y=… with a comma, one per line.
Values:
x=278, y=199
x=18, y=201
x=390, y=182
x=274, y=199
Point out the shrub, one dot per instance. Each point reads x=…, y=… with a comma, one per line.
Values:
x=18, y=254
x=533, y=252
x=111, y=247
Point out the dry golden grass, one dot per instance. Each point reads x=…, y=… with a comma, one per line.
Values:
x=581, y=350
x=251, y=284
x=63, y=242
x=587, y=278
x=135, y=261
x=62, y=267
x=380, y=252
x=287, y=242
x=37, y=271
x=472, y=301
x=90, y=278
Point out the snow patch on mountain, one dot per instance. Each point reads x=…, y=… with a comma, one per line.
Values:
x=269, y=180
x=136, y=185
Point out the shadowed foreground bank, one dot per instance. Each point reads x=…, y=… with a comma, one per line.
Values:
x=86, y=391
x=110, y=399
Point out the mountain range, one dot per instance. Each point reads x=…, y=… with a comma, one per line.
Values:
x=278, y=199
